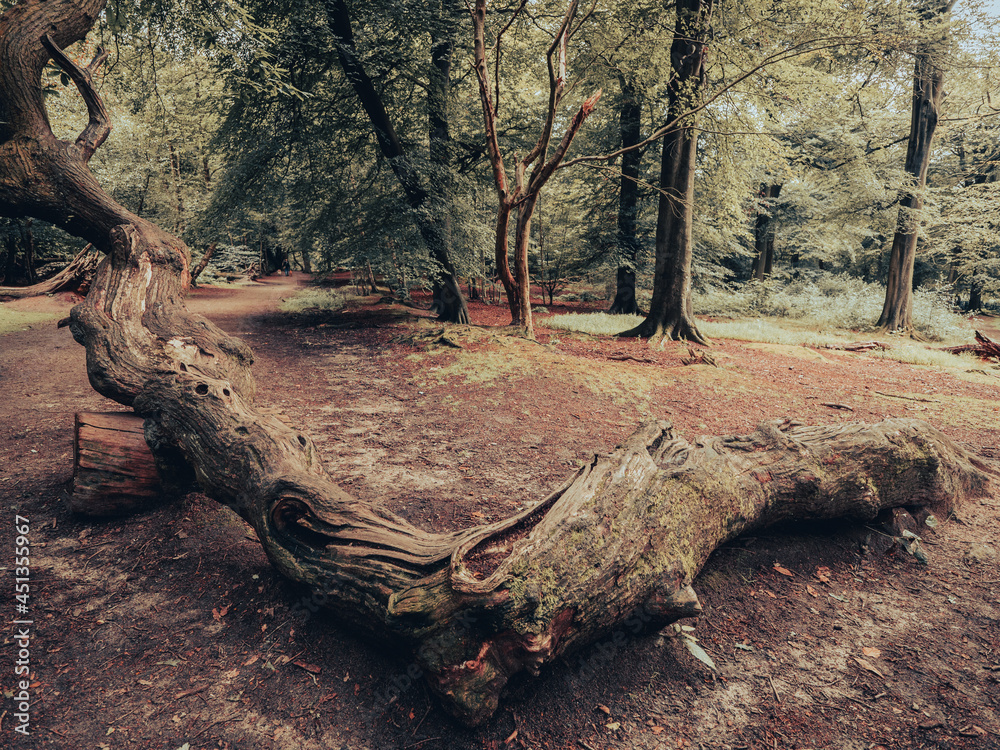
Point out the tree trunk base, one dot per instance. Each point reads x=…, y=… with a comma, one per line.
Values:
x=682, y=328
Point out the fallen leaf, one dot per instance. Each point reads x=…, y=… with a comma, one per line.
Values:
x=812, y=591
x=190, y=691
x=605, y=709
x=783, y=571
x=698, y=652
x=823, y=574
x=770, y=595
x=308, y=667
x=251, y=660
x=656, y=730
x=513, y=736
x=869, y=666
x=413, y=716
x=218, y=614
x=869, y=651
x=613, y=725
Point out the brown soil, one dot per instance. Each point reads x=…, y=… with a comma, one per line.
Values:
x=169, y=629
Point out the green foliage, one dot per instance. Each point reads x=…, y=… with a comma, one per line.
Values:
x=830, y=301
x=314, y=299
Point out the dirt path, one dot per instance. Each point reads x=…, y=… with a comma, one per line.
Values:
x=170, y=628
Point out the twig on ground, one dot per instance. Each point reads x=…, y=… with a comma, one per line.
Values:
x=908, y=398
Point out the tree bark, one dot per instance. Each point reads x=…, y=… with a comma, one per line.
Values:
x=620, y=542
x=435, y=232
x=928, y=93
x=629, y=124
x=670, y=311
x=764, y=233
x=523, y=196
x=75, y=276
x=203, y=264
x=114, y=472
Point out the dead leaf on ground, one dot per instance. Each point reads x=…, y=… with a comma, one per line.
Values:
x=869, y=651
x=823, y=574
x=811, y=591
x=783, y=571
x=868, y=666
x=308, y=667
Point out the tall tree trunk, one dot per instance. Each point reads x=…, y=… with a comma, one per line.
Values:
x=11, y=246
x=175, y=173
x=628, y=202
x=928, y=92
x=28, y=238
x=435, y=234
x=203, y=264
x=448, y=299
x=763, y=234
x=670, y=311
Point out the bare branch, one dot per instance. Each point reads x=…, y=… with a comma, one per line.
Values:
x=99, y=126
x=496, y=47
x=556, y=84
x=540, y=175
x=489, y=110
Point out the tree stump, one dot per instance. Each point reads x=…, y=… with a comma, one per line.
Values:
x=114, y=472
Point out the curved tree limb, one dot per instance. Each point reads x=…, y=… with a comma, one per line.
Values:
x=78, y=269
x=99, y=127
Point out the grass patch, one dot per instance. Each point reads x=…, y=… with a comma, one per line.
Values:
x=828, y=301
x=769, y=331
x=14, y=320
x=915, y=354
x=597, y=323
x=314, y=299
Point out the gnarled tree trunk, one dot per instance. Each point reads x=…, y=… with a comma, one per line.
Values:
x=622, y=539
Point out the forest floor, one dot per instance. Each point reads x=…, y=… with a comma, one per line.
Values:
x=170, y=630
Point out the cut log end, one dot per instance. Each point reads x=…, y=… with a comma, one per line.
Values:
x=114, y=472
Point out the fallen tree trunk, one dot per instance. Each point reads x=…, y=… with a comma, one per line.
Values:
x=621, y=541
x=76, y=276
x=984, y=348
